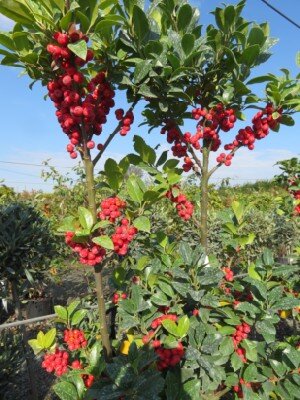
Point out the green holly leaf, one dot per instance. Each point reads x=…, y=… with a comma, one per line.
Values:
x=171, y=327
x=66, y=391
x=85, y=218
x=61, y=312
x=49, y=338
x=142, y=224
x=79, y=49
x=183, y=326
x=104, y=241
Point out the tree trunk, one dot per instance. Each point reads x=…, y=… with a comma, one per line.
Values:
x=91, y=196
x=204, y=197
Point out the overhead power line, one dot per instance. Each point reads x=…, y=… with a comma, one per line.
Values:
x=281, y=13
x=23, y=183
x=31, y=165
x=18, y=172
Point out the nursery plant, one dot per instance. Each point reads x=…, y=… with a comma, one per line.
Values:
x=290, y=179
x=26, y=245
x=82, y=52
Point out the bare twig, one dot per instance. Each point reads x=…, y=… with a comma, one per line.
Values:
x=111, y=136
x=213, y=170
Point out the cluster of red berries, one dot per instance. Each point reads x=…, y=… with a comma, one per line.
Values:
x=228, y=274
x=169, y=357
x=88, y=379
x=217, y=117
x=174, y=136
x=117, y=296
x=188, y=164
x=210, y=122
x=238, y=388
x=56, y=362
x=122, y=237
x=127, y=120
x=158, y=321
x=111, y=208
x=81, y=105
x=75, y=339
x=184, y=207
x=241, y=333
x=225, y=159
x=261, y=124
x=90, y=253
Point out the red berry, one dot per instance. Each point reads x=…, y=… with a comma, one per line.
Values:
x=90, y=144
x=73, y=155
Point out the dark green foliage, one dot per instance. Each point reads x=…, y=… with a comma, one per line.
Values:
x=26, y=244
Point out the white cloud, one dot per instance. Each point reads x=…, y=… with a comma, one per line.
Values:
x=28, y=177
x=246, y=166
x=253, y=165
x=5, y=23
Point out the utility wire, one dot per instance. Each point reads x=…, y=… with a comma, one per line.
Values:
x=281, y=13
x=31, y=165
x=23, y=183
x=19, y=173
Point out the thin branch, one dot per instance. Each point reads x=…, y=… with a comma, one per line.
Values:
x=111, y=136
x=213, y=170
x=107, y=142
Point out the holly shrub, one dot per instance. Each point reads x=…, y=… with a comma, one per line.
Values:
x=26, y=243
x=187, y=328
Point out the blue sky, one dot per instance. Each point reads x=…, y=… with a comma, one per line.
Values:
x=31, y=134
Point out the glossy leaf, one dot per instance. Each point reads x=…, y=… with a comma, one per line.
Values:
x=140, y=23
x=184, y=18
x=66, y=391
x=188, y=42
x=79, y=49
x=85, y=218
x=104, y=241
x=142, y=224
